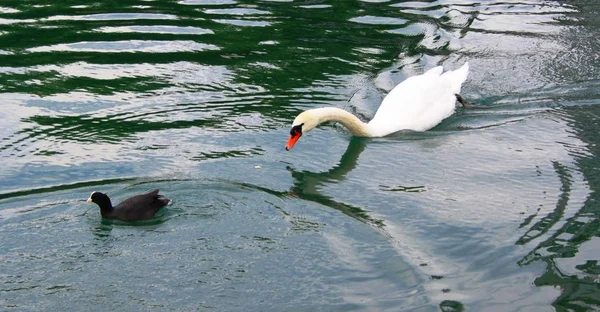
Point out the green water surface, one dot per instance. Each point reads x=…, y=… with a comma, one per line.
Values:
x=495, y=209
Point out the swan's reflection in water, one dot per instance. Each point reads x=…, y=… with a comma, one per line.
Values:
x=307, y=184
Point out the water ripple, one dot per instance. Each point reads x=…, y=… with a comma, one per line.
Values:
x=236, y=11
x=174, y=30
x=5, y=10
x=147, y=46
x=112, y=17
x=378, y=20
x=243, y=23
x=7, y=21
x=206, y=2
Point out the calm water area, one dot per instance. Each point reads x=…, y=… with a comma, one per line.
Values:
x=495, y=209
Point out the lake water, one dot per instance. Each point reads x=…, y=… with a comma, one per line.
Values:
x=495, y=209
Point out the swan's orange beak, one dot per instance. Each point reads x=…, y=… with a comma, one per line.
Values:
x=293, y=139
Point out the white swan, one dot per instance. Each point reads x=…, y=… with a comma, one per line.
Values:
x=418, y=103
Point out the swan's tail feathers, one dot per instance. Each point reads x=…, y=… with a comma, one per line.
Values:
x=461, y=73
x=435, y=71
x=457, y=77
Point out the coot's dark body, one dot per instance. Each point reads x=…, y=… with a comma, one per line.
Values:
x=136, y=208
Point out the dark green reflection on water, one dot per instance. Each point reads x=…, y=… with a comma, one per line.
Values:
x=579, y=292
x=580, y=287
x=111, y=129
x=546, y=223
x=63, y=187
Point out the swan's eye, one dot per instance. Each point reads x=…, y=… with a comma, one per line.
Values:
x=296, y=130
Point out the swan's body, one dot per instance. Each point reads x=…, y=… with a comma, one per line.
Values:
x=419, y=103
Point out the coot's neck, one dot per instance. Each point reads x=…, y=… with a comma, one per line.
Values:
x=105, y=205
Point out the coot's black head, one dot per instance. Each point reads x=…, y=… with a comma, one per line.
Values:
x=100, y=199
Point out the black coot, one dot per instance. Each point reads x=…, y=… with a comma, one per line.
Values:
x=139, y=207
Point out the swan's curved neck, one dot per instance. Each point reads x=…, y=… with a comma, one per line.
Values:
x=351, y=122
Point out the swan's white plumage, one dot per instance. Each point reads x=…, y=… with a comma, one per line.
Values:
x=420, y=102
